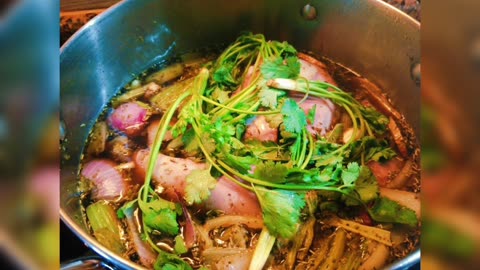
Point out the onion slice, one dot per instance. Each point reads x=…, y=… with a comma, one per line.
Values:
x=109, y=184
x=129, y=118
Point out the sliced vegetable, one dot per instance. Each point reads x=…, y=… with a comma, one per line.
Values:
x=163, y=100
x=167, y=74
x=98, y=138
x=233, y=199
x=377, y=259
x=135, y=93
x=105, y=225
x=262, y=250
x=386, y=210
x=142, y=248
x=109, y=183
x=130, y=118
x=336, y=251
x=229, y=220
x=407, y=199
x=398, y=138
x=374, y=233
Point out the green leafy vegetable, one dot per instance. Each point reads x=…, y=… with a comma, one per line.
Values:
x=281, y=211
x=350, y=174
x=199, y=184
x=366, y=186
x=386, y=210
x=311, y=114
x=294, y=117
x=223, y=75
x=127, y=207
x=277, y=67
x=164, y=220
x=378, y=122
x=274, y=172
x=180, y=247
x=269, y=97
x=168, y=261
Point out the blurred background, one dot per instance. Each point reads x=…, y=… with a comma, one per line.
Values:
x=31, y=32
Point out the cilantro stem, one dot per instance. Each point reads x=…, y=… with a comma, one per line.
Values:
x=311, y=144
x=238, y=110
x=159, y=139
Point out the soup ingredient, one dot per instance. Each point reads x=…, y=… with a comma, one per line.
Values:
x=377, y=259
x=144, y=250
x=98, y=138
x=105, y=226
x=404, y=198
x=108, y=181
x=386, y=210
x=167, y=74
x=262, y=250
x=130, y=118
x=259, y=147
x=336, y=251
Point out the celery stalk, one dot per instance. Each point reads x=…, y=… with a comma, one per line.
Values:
x=106, y=226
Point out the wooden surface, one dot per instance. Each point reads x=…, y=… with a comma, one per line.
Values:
x=74, y=5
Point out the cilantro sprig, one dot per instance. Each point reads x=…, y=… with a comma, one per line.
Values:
x=254, y=77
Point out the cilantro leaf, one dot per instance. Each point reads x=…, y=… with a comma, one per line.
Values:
x=242, y=164
x=284, y=48
x=164, y=220
x=366, y=187
x=269, y=97
x=350, y=174
x=372, y=149
x=168, y=261
x=274, y=172
x=311, y=114
x=220, y=95
x=386, y=210
x=281, y=211
x=199, y=184
x=126, y=209
x=223, y=75
x=378, y=122
x=180, y=246
x=161, y=215
x=276, y=67
x=294, y=117
x=188, y=139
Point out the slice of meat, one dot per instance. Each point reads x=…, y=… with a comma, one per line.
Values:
x=233, y=199
x=386, y=171
x=169, y=172
x=314, y=70
x=324, y=114
x=260, y=130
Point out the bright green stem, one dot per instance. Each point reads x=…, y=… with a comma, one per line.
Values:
x=159, y=139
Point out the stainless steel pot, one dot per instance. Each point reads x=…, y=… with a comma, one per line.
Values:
x=370, y=37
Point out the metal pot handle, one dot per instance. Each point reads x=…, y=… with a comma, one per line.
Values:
x=87, y=263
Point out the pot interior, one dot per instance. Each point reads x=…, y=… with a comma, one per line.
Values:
x=369, y=37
